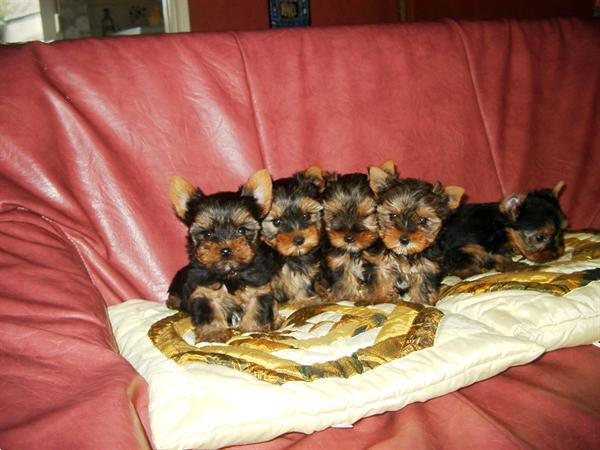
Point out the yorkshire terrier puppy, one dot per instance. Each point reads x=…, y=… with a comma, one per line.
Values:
x=484, y=236
x=355, y=255
x=293, y=228
x=410, y=215
x=226, y=284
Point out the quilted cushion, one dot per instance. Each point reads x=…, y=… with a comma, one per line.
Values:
x=328, y=365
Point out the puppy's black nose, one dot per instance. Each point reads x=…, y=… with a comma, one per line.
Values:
x=349, y=238
x=298, y=240
x=226, y=252
x=404, y=240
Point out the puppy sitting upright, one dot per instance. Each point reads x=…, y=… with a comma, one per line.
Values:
x=411, y=213
x=355, y=255
x=293, y=228
x=227, y=281
x=485, y=236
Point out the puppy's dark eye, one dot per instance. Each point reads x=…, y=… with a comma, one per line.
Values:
x=207, y=234
x=423, y=221
x=306, y=216
x=242, y=230
x=541, y=238
x=276, y=222
x=393, y=215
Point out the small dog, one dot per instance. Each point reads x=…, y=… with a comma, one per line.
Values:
x=410, y=214
x=484, y=236
x=226, y=284
x=293, y=228
x=355, y=254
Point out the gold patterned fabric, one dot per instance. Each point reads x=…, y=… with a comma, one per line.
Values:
x=399, y=329
x=395, y=330
x=579, y=266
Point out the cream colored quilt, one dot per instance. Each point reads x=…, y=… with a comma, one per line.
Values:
x=334, y=364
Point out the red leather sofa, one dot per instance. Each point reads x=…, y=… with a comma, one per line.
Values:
x=92, y=130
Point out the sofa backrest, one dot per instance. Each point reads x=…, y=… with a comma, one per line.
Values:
x=92, y=130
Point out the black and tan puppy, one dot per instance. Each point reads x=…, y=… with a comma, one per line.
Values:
x=410, y=215
x=355, y=255
x=484, y=236
x=293, y=228
x=226, y=284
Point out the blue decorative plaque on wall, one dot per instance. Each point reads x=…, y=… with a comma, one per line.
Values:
x=289, y=13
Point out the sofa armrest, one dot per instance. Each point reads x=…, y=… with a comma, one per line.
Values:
x=58, y=357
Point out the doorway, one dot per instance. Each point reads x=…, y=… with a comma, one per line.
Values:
x=49, y=20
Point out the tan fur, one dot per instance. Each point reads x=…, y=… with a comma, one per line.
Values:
x=366, y=207
x=510, y=205
x=389, y=167
x=558, y=188
x=203, y=221
x=533, y=251
x=454, y=194
x=243, y=253
x=209, y=253
x=332, y=207
x=379, y=179
x=385, y=273
x=181, y=191
x=415, y=270
x=284, y=242
x=420, y=239
x=242, y=217
x=173, y=302
x=220, y=302
x=260, y=186
x=248, y=298
x=297, y=285
x=350, y=285
x=316, y=175
x=362, y=240
x=483, y=261
x=310, y=206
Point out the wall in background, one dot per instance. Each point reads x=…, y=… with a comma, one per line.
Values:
x=224, y=15
x=497, y=9
x=353, y=12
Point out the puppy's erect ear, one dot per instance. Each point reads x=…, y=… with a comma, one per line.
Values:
x=389, y=167
x=454, y=194
x=511, y=205
x=379, y=179
x=260, y=186
x=316, y=176
x=181, y=193
x=330, y=177
x=558, y=189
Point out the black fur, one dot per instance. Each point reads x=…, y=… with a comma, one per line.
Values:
x=486, y=226
x=225, y=221
x=293, y=228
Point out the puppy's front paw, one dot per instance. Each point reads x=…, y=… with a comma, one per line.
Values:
x=208, y=333
x=173, y=302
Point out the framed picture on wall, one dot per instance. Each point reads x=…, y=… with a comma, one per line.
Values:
x=289, y=13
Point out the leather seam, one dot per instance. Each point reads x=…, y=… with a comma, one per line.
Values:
x=60, y=232
x=454, y=25
x=485, y=416
x=251, y=97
